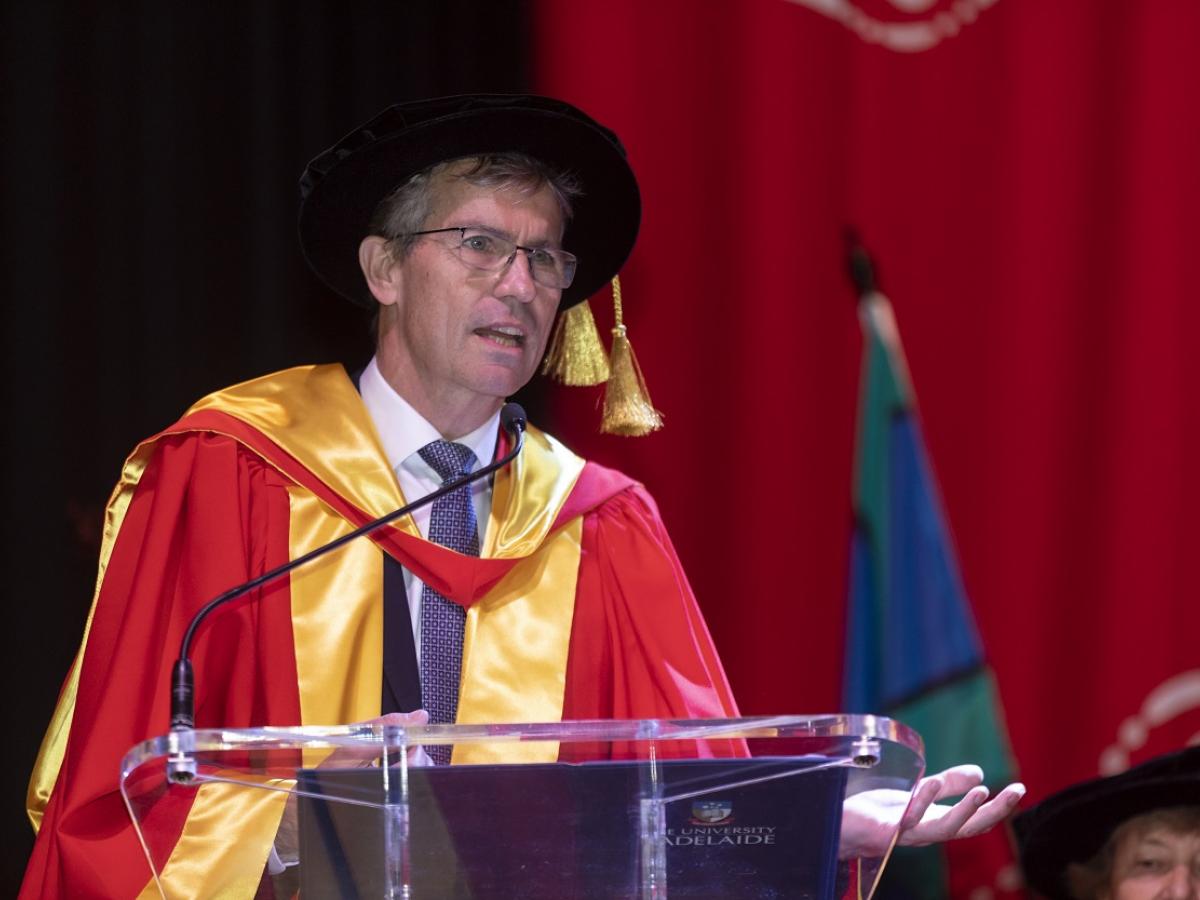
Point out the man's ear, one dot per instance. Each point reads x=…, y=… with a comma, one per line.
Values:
x=383, y=273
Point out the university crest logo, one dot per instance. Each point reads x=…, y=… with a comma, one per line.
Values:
x=711, y=812
x=1170, y=711
x=905, y=26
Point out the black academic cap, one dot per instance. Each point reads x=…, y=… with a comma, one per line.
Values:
x=341, y=188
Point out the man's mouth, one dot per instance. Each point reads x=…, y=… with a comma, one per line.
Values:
x=505, y=335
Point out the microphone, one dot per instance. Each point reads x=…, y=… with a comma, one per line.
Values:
x=512, y=420
x=183, y=707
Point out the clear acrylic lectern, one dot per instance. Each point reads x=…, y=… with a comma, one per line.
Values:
x=786, y=806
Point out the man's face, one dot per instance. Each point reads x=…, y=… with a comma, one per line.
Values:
x=1159, y=864
x=456, y=342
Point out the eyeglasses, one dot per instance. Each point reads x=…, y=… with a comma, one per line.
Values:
x=485, y=251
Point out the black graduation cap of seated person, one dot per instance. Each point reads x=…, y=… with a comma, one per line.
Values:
x=341, y=188
x=1073, y=825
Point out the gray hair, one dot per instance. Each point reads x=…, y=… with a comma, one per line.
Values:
x=406, y=209
x=1093, y=879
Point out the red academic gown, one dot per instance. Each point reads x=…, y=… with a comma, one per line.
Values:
x=212, y=502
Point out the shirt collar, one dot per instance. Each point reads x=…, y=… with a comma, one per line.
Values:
x=404, y=431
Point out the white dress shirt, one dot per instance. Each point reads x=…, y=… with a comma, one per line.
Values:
x=403, y=432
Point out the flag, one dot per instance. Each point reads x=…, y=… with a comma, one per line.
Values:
x=913, y=651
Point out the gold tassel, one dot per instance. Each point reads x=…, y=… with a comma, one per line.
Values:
x=627, y=407
x=576, y=356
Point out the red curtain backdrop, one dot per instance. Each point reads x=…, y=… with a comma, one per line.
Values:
x=1028, y=186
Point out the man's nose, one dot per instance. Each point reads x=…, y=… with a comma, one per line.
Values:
x=516, y=278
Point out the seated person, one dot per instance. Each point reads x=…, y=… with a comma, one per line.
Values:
x=1125, y=837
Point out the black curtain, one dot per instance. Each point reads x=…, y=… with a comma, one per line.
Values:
x=150, y=155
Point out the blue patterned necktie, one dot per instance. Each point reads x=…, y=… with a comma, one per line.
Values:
x=451, y=524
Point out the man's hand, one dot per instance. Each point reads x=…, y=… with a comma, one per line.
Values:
x=287, y=838
x=870, y=819
x=365, y=755
x=928, y=822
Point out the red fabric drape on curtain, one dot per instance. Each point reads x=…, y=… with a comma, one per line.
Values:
x=1029, y=189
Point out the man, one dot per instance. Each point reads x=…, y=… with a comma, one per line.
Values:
x=460, y=220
